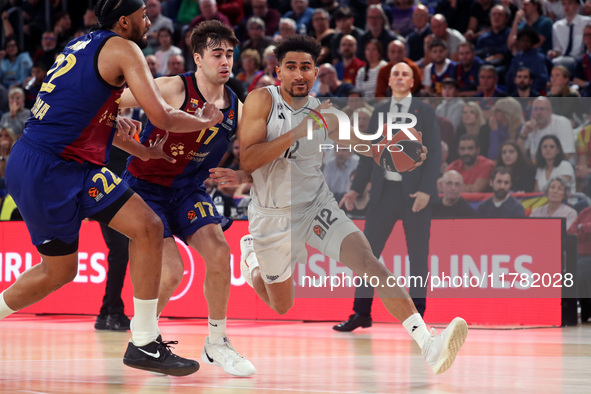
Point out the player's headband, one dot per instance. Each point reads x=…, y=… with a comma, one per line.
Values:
x=126, y=8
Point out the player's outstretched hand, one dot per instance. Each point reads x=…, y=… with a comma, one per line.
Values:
x=349, y=200
x=127, y=128
x=210, y=114
x=226, y=176
x=155, y=149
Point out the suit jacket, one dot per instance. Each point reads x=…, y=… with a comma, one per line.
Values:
x=423, y=178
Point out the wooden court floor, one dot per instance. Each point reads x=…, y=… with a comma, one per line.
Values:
x=64, y=354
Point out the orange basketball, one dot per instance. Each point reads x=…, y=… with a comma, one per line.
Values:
x=398, y=154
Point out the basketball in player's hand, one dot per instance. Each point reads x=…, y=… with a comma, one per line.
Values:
x=398, y=154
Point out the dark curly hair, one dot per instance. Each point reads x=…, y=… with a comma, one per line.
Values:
x=298, y=43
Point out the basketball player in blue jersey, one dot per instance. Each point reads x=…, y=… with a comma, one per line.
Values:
x=175, y=191
x=292, y=206
x=57, y=177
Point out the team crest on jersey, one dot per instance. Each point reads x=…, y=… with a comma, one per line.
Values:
x=177, y=149
x=319, y=231
x=95, y=194
x=194, y=103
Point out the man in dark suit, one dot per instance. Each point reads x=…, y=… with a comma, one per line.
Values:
x=398, y=196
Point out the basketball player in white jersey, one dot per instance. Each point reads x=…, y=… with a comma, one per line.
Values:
x=291, y=204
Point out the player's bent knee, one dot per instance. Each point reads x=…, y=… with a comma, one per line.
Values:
x=283, y=308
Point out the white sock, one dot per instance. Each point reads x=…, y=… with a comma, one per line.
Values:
x=217, y=329
x=417, y=329
x=157, y=322
x=252, y=261
x=145, y=322
x=4, y=309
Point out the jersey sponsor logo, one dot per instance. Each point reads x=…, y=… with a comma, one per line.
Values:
x=227, y=127
x=177, y=149
x=95, y=194
x=319, y=231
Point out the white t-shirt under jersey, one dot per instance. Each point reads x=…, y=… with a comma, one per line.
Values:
x=294, y=178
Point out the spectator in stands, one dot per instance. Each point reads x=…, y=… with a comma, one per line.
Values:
x=479, y=19
x=451, y=107
x=523, y=82
x=269, y=68
x=260, y=9
x=528, y=56
x=451, y=37
x=153, y=65
x=337, y=172
x=355, y=103
x=367, y=77
x=209, y=11
x=583, y=167
x=17, y=116
x=63, y=29
x=302, y=14
x=159, y=21
x=473, y=123
x=491, y=46
x=564, y=99
x=322, y=33
x=396, y=54
x=330, y=84
x=505, y=123
x=567, y=36
x=551, y=163
x=501, y=204
x=401, y=13
x=422, y=29
x=188, y=10
x=557, y=192
x=582, y=228
x=48, y=50
x=7, y=140
x=487, y=86
x=166, y=49
x=468, y=69
x=377, y=29
x=583, y=65
x=444, y=157
x=440, y=68
x=523, y=174
x=176, y=65
x=14, y=65
x=543, y=122
x=474, y=168
x=224, y=204
x=348, y=67
x=33, y=84
x=251, y=63
x=287, y=28
x=451, y=205
x=185, y=46
x=233, y=9
x=456, y=13
x=554, y=9
x=257, y=39
x=532, y=16
x=343, y=18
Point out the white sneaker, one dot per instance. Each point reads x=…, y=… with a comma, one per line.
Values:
x=246, y=249
x=223, y=354
x=440, y=351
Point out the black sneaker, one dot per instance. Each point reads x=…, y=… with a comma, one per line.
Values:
x=157, y=357
x=101, y=323
x=118, y=322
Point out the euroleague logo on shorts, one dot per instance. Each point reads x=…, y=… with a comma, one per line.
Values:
x=188, y=270
x=95, y=194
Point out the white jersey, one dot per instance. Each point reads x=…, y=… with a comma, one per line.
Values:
x=295, y=178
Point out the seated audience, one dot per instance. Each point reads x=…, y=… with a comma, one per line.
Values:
x=557, y=192
x=505, y=122
x=473, y=123
x=451, y=204
x=451, y=107
x=474, y=168
x=17, y=116
x=523, y=174
x=15, y=66
x=582, y=228
x=551, y=163
x=367, y=77
x=501, y=204
x=528, y=56
x=439, y=69
x=565, y=100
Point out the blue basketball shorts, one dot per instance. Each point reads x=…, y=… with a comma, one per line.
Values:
x=54, y=195
x=183, y=211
